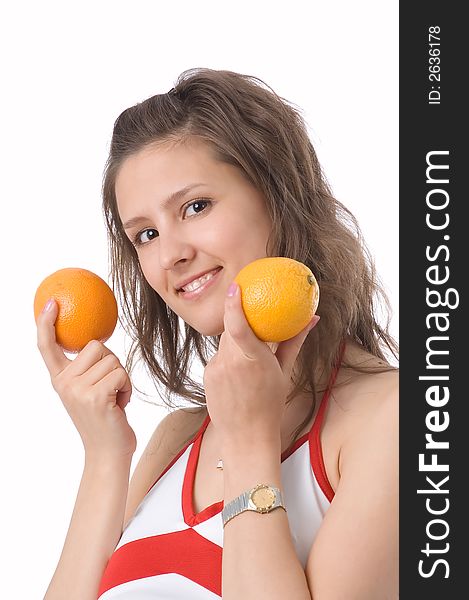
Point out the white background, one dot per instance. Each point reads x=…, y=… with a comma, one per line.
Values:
x=68, y=71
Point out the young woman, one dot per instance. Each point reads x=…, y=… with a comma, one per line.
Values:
x=281, y=481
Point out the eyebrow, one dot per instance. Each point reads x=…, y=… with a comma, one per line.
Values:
x=174, y=197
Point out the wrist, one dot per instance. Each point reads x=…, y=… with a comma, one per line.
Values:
x=263, y=498
x=105, y=464
x=242, y=451
x=242, y=470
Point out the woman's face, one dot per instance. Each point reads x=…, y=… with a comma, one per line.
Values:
x=188, y=215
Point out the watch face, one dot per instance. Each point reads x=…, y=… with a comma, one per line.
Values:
x=263, y=498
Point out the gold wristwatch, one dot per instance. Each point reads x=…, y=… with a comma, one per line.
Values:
x=261, y=499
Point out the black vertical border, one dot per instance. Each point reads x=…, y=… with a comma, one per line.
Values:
x=425, y=128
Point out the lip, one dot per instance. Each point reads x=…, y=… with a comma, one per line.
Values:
x=200, y=290
x=184, y=282
x=181, y=284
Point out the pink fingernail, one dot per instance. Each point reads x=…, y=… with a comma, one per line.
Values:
x=232, y=289
x=49, y=304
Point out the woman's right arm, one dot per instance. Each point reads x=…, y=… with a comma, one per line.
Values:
x=94, y=389
x=95, y=529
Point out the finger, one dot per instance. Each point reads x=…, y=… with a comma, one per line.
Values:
x=287, y=351
x=92, y=353
x=237, y=326
x=53, y=355
x=123, y=397
x=222, y=342
x=273, y=346
x=117, y=383
x=99, y=370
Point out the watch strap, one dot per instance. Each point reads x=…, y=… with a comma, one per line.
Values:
x=243, y=503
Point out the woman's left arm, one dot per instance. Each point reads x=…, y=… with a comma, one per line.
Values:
x=259, y=558
x=355, y=553
x=246, y=386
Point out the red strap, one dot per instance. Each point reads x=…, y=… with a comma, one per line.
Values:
x=317, y=459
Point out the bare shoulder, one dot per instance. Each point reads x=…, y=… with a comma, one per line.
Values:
x=363, y=405
x=172, y=433
x=175, y=430
x=372, y=407
x=358, y=393
x=368, y=392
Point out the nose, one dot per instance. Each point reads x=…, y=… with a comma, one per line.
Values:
x=173, y=249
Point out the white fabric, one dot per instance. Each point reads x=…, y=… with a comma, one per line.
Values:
x=161, y=512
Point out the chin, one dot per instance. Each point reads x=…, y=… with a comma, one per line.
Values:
x=207, y=329
x=211, y=331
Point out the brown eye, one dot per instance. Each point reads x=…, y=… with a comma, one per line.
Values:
x=198, y=205
x=145, y=236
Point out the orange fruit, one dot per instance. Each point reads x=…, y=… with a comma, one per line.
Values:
x=87, y=307
x=279, y=297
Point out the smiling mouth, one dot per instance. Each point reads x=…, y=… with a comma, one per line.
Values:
x=197, y=283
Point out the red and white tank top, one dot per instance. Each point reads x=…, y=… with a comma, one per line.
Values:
x=169, y=552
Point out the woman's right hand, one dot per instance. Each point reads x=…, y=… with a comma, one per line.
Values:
x=94, y=388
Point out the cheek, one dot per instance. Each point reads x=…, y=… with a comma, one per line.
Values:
x=214, y=235
x=252, y=235
x=231, y=232
x=151, y=274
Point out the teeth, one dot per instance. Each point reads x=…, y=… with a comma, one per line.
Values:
x=193, y=285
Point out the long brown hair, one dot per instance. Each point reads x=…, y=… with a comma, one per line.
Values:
x=249, y=126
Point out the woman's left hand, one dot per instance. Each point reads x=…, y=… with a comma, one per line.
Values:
x=246, y=384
